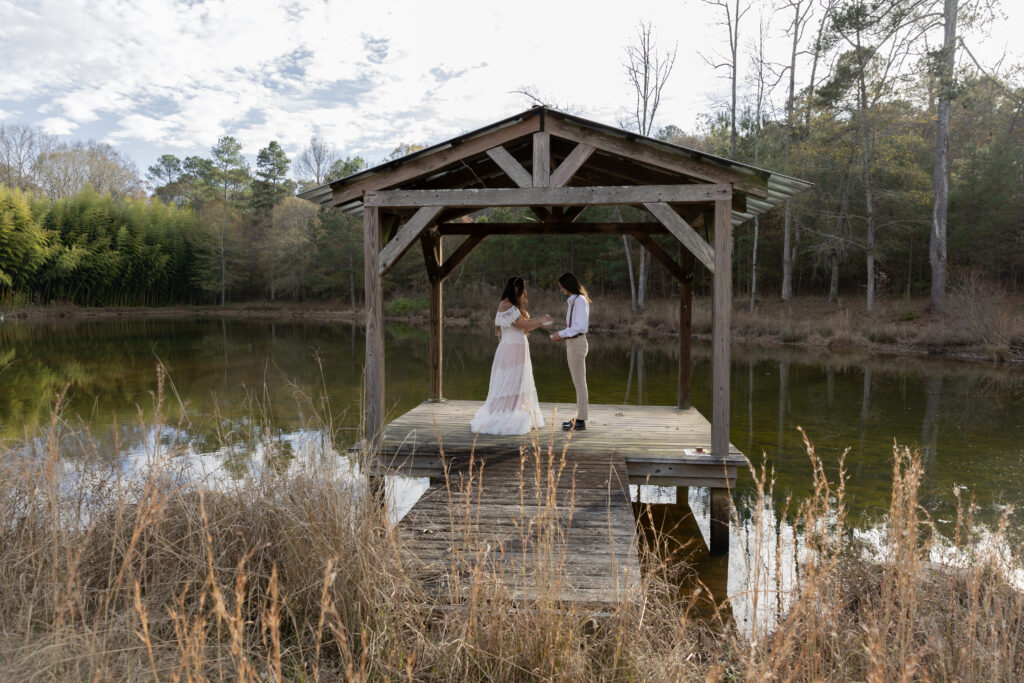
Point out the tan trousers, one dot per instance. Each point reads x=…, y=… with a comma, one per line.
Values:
x=576, y=351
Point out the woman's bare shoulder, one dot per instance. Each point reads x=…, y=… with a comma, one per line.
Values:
x=504, y=306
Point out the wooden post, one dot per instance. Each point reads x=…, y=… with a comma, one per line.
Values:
x=541, y=159
x=720, y=359
x=374, y=371
x=719, y=521
x=436, y=322
x=720, y=332
x=687, y=261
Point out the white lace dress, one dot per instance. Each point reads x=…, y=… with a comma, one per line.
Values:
x=511, y=406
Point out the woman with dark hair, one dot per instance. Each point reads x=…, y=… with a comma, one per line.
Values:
x=577, y=323
x=511, y=406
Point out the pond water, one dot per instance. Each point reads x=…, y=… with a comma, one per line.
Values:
x=234, y=378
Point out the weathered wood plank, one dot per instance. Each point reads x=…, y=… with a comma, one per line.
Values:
x=550, y=196
x=659, y=254
x=720, y=333
x=512, y=168
x=719, y=521
x=572, y=163
x=374, y=373
x=344, y=193
x=541, y=159
x=406, y=235
x=460, y=254
x=552, y=228
x=683, y=232
x=687, y=261
x=694, y=168
x=436, y=320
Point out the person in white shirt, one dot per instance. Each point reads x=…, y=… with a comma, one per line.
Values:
x=577, y=321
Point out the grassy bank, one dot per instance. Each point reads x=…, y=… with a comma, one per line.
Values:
x=296, y=575
x=983, y=323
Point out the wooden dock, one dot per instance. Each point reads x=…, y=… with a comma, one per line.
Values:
x=547, y=513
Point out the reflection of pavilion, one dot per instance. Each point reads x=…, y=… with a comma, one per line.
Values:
x=558, y=165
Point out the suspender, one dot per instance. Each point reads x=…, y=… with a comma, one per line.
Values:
x=572, y=306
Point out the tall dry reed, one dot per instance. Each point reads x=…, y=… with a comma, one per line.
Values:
x=296, y=575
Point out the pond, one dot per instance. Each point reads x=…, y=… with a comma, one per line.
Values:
x=234, y=378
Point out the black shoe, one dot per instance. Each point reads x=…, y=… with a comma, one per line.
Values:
x=579, y=426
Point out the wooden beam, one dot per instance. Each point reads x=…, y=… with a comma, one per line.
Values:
x=512, y=168
x=543, y=213
x=567, y=169
x=436, y=316
x=683, y=232
x=659, y=158
x=350, y=192
x=406, y=235
x=721, y=308
x=430, y=260
x=460, y=254
x=560, y=228
x=541, y=159
x=373, y=387
x=660, y=255
x=571, y=213
x=695, y=193
x=719, y=521
x=687, y=260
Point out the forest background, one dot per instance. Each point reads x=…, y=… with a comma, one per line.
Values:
x=890, y=88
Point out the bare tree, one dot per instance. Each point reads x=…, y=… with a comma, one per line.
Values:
x=945, y=62
x=537, y=98
x=68, y=168
x=764, y=79
x=21, y=147
x=648, y=71
x=315, y=161
x=732, y=13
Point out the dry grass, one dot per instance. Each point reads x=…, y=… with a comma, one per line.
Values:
x=297, y=576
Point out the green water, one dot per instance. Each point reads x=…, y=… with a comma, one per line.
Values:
x=235, y=377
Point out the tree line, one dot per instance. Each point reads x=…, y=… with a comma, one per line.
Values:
x=916, y=150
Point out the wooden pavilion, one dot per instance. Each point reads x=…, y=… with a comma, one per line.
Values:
x=557, y=165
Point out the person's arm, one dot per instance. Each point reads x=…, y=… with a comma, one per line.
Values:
x=580, y=320
x=529, y=324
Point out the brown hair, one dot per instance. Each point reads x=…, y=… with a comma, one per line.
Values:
x=573, y=286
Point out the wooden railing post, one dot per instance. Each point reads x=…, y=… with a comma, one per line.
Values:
x=720, y=329
x=436, y=322
x=374, y=370
x=687, y=261
x=720, y=360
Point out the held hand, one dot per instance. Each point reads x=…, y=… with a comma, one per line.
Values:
x=555, y=337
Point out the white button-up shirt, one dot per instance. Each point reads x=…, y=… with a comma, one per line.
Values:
x=577, y=316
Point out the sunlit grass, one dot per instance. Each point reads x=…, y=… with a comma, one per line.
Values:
x=294, y=573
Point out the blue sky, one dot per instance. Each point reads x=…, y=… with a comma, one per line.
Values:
x=166, y=76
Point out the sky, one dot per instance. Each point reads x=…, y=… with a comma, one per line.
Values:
x=171, y=76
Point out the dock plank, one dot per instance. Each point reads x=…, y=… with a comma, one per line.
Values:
x=547, y=512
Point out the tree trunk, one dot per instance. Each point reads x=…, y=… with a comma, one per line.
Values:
x=753, y=267
x=940, y=175
x=641, y=282
x=629, y=273
x=833, y=285
x=787, y=252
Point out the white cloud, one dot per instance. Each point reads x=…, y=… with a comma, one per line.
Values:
x=57, y=125
x=158, y=76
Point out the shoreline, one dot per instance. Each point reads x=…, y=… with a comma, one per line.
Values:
x=654, y=325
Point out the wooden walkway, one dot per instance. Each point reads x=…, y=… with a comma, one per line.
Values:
x=548, y=513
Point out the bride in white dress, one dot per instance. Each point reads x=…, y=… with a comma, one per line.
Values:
x=511, y=406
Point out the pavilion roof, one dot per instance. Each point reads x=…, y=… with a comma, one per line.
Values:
x=620, y=158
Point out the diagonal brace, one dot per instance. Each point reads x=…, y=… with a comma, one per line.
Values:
x=683, y=232
x=406, y=235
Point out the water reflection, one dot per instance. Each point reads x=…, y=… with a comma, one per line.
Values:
x=234, y=384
